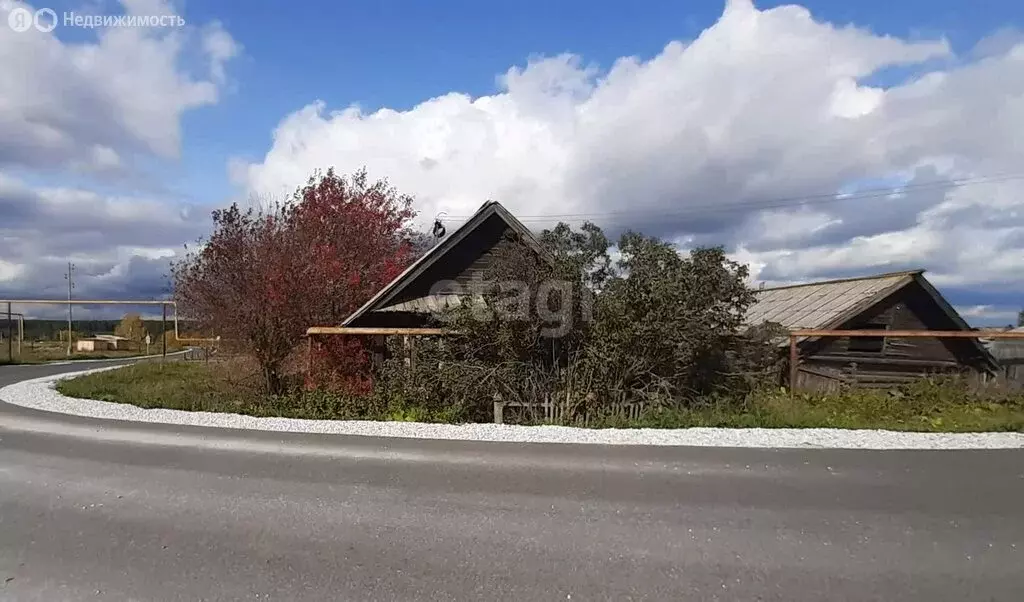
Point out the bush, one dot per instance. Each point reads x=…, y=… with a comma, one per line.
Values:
x=591, y=334
x=264, y=276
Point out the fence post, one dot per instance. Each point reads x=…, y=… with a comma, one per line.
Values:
x=499, y=409
x=794, y=359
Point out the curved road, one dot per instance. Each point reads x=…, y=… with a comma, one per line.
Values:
x=103, y=510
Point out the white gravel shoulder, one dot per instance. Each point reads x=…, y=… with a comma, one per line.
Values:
x=39, y=393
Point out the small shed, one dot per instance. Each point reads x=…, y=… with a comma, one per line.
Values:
x=93, y=344
x=1009, y=353
x=112, y=340
x=891, y=301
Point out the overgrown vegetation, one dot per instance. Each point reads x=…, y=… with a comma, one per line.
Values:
x=649, y=337
x=589, y=334
x=945, y=405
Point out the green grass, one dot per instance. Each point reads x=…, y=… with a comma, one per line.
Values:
x=205, y=387
x=176, y=385
x=854, y=410
x=213, y=387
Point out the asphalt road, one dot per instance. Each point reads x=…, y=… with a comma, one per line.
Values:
x=95, y=510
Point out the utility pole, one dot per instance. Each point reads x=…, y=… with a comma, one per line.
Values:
x=71, y=284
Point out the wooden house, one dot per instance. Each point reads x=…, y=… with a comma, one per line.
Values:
x=893, y=301
x=443, y=277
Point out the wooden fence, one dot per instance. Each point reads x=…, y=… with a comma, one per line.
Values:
x=556, y=412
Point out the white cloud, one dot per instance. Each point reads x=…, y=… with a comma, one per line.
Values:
x=219, y=47
x=120, y=245
x=93, y=107
x=762, y=105
x=989, y=314
x=75, y=105
x=9, y=271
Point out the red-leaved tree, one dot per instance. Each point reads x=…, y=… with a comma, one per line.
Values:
x=266, y=275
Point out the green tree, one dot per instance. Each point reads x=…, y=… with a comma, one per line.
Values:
x=62, y=335
x=656, y=325
x=669, y=321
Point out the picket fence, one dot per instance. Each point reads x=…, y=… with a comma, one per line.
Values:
x=554, y=412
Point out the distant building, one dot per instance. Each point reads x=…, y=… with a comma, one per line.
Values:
x=112, y=339
x=894, y=301
x=93, y=344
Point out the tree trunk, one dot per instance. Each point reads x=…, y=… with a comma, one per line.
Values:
x=272, y=378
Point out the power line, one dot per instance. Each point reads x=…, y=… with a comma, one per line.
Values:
x=777, y=203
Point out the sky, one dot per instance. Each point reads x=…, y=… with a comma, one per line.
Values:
x=815, y=140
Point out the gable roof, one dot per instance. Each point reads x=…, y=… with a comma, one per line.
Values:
x=435, y=254
x=829, y=304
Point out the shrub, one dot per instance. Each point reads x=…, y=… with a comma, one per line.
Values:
x=653, y=327
x=265, y=275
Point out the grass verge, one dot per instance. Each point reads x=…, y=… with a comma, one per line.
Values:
x=40, y=354
x=216, y=387
x=206, y=387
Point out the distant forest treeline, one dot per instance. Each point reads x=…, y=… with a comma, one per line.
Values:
x=50, y=329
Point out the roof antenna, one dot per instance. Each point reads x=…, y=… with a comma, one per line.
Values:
x=439, y=229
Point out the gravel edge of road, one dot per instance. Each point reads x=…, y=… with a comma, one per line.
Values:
x=40, y=393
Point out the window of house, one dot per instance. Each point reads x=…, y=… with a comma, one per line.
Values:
x=868, y=344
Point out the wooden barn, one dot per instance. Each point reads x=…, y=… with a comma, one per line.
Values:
x=893, y=301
